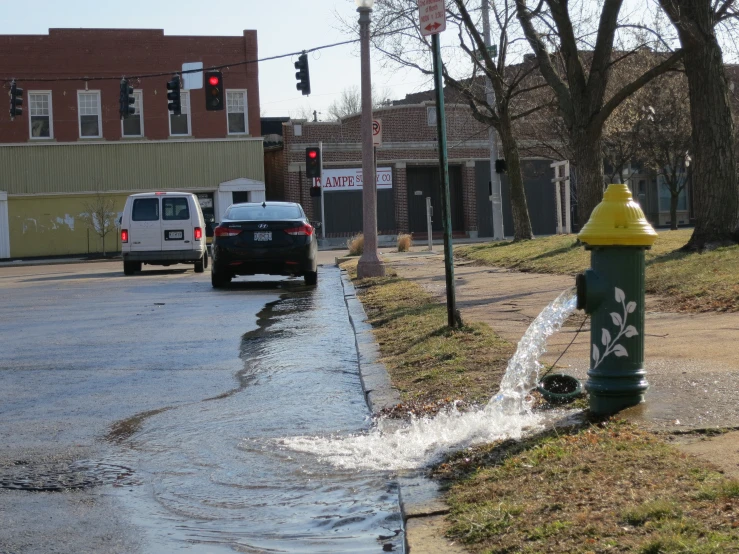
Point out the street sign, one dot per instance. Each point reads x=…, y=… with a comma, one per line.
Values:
x=431, y=17
x=377, y=132
x=492, y=50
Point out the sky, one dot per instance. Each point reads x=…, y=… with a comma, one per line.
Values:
x=282, y=26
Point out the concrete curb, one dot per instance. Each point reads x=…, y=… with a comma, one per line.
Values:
x=379, y=392
x=421, y=506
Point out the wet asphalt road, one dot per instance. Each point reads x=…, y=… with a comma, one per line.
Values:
x=161, y=401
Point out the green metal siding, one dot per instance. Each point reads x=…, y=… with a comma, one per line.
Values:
x=128, y=166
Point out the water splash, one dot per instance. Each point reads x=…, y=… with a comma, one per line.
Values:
x=424, y=441
x=523, y=369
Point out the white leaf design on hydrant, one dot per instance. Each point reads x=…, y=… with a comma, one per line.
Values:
x=619, y=320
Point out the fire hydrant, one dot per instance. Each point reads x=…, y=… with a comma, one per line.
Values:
x=612, y=292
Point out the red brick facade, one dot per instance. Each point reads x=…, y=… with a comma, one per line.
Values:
x=409, y=140
x=65, y=53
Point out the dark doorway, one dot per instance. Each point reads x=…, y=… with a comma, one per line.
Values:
x=240, y=196
x=537, y=179
x=344, y=212
x=424, y=182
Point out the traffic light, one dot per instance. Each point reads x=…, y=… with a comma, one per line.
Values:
x=313, y=162
x=302, y=75
x=173, y=95
x=126, y=100
x=16, y=100
x=213, y=90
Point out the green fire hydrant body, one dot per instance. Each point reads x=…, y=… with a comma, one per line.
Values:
x=612, y=292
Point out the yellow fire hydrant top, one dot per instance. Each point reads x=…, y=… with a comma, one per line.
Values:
x=618, y=221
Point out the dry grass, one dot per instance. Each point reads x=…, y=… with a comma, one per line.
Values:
x=427, y=361
x=355, y=245
x=602, y=488
x=685, y=281
x=405, y=242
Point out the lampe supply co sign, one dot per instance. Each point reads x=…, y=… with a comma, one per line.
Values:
x=431, y=16
x=351, y=179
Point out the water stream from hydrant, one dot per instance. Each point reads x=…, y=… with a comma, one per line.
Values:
x=424, y=441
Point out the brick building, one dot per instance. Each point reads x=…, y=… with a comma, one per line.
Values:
x=407, y=164
x=70, y=144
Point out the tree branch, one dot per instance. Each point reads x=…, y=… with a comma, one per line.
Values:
x=599, y=119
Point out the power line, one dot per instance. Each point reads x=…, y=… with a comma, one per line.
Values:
x=180, y=72
x=211, y=68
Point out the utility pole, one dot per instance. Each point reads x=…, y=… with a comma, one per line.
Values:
x=495, y=187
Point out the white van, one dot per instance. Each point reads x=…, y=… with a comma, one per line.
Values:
x=163, y=228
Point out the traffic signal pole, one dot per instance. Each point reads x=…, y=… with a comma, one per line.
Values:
x=446, y=212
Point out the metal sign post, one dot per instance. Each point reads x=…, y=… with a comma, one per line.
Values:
x=446, y=212
x=429, y=227
x=323, y=212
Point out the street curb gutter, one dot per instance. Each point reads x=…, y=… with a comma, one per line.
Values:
x=421, y=508
x=379, y=392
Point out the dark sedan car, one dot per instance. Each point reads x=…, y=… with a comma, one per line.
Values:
x=273, y=238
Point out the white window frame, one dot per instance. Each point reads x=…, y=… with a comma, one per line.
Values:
x=80, y=93
x=243, y=92
x=189, y=115
x=140, y=93
x=51, y=116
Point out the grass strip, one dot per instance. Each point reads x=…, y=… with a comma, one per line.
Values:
x=600, y=487
x=608, y=487
x=427, y=361
x=707, y=281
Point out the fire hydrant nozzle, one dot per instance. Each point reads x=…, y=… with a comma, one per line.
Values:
x=612, y=292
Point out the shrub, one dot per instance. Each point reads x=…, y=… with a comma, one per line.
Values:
x=355, y=245
x=404, y=242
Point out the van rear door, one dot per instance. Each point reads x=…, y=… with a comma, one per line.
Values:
x=145, y=232
x=177, y=223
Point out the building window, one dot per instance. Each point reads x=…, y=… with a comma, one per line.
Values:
x=665, y=195
x=236, y=107
x=431, y=116
x=179, y=125
x=88, y=104
x=133, y=125
x=40, y=118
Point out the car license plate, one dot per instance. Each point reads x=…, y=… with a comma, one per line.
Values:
x=174, y=235
x=263, y=236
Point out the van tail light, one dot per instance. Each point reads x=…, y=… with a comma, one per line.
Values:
x=226, y=231
x=304, y=230
x=124, y=235
x=198, y=233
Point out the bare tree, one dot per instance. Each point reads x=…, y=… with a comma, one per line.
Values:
x=466, y=68
x=100, y=215
x=665, y=141
x=580, y=80
x=350, y=102
x=714, y=173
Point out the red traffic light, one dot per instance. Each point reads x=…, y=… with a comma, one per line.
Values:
x=312, y=154
x=214, y=80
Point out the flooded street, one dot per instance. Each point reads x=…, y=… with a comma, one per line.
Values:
x=164, y=402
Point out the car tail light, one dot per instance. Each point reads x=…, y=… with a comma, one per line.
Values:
x=226, y=231
x=124, y=235
x=198, y=233
x=303, y=230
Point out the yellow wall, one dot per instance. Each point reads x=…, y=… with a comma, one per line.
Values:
x=54, y=226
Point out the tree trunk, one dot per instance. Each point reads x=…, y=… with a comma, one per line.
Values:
x=673, y=210
x=588, y=153
x=714, y=178
x=519, y=206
